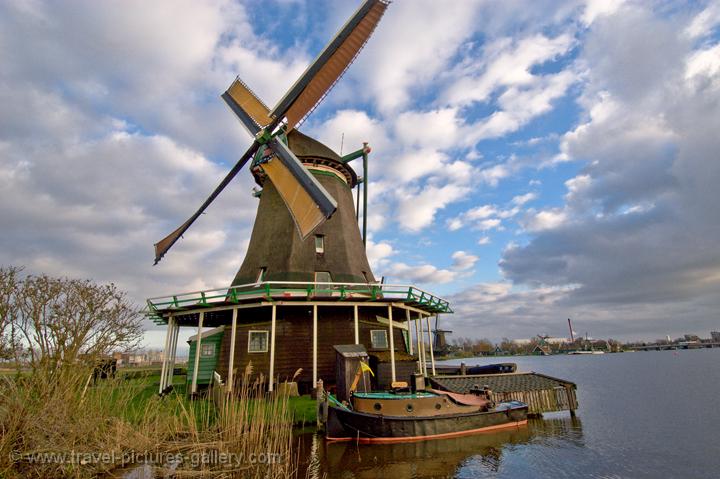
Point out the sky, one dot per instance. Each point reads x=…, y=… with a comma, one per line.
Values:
x=532, y=161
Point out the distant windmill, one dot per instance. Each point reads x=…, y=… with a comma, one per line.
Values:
x=307, y=200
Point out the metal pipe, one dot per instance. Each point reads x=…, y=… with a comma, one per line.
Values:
x=365, y=191
x=357, y=203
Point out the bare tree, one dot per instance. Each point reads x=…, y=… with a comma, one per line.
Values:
x=58, y=320
x=8, y=289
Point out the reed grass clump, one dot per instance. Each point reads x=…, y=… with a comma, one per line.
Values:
x=63, y=424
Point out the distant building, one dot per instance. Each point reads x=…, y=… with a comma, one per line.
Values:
x=692, y=338
x=715, y=335
x=557, y=340
x=521, y=342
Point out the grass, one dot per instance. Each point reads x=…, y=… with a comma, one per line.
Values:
x=51, y=415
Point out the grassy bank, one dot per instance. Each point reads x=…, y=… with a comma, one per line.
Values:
x=60, y=424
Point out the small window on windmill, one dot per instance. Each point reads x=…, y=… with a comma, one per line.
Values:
x=257, y=341
x=207, y=350
x=320, y=244
x=261, y=275
x=378, y=339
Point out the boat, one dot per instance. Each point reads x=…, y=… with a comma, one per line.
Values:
x=587, y=352
x=406, y=416
x=497, y=368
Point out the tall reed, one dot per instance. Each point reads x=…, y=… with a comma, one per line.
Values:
x=61, y=424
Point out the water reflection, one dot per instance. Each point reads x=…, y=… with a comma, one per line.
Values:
x=482, y=453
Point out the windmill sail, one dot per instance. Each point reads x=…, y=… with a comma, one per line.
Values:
x=308, y=202
x=247, y=106
x=329, y=66
x=162, y=246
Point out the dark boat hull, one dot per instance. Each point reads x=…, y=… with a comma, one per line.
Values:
x=499, y=368
x=346, y=425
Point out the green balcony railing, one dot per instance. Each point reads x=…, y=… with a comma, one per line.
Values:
x=295, y=290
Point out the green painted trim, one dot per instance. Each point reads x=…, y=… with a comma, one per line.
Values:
x=353, y=156
x=327, y=173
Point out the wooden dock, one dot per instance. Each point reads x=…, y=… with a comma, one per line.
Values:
x=540, y=392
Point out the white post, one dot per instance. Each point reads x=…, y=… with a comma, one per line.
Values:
x=231, y=363
x=430, y=341
x=422, y=345
x=315, y=338
x=409, y=331
x=173, y=348
x=272, y=347
x=417, y=341
x=357, y=328
x=163, y=370
x=198, y=350
x=392, y=344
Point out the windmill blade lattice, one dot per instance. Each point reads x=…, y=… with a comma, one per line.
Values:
x=307, y=201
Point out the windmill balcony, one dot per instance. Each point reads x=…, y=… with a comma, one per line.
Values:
x=220, y=298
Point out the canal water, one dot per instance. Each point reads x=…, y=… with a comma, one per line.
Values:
x=641, y=415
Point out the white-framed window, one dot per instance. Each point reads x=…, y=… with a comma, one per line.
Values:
x=207, y=350
x=319, y=244
x=257, y=341
x=379, y=338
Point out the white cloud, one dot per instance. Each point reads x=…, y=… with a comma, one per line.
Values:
x=522, y=199
x=392, y=71
x=489, y=224
x=704, y=21
x=431, y=129
x=544, y=220
x=595, y=9
x=416, y=210
x=350, y=129
x=493, y=174
x=378, y=254
x=638, y=232
x=506, y=63
x=484, y=240
x=463, y=261
x=704, y=63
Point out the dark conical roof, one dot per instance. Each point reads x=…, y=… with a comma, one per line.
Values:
x=303, y=145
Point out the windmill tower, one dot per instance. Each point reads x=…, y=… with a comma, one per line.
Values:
x=333, y=252
x=305, y=283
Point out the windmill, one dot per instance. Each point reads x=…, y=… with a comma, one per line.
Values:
x=308, y=202
x=293, y=299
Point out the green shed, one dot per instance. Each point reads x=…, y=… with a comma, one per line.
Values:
x=209, y=354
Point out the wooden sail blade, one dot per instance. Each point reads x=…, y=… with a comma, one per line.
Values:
x=309, y=183
x=307, y=201
x=329, y=66
x=162, y=246
x=251, y=111
x=303, y=210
